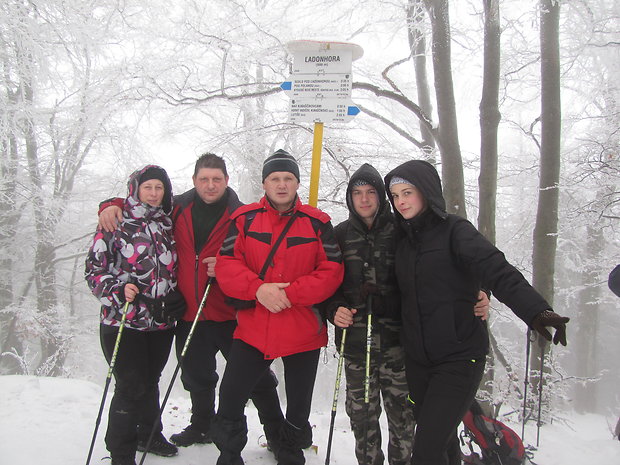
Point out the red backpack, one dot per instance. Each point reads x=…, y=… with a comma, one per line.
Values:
x=498, y=444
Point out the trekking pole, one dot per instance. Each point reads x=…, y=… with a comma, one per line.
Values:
x=176, y=370
x=367, y=376
x=335, y=401
x=540, y=386
x=107, y=381
x=525, y=381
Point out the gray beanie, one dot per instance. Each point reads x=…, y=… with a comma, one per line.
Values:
x=281, y=160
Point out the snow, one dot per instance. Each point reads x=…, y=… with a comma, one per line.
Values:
x=51, y=421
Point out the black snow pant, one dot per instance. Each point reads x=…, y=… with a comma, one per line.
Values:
x=441, y=393
x=134, y=408
x=199, y=373
x=245, y=366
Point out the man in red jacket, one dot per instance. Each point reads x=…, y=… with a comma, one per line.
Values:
x=201, y=218
x=280, y=258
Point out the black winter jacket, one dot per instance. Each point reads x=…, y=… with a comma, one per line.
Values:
x=441, y=263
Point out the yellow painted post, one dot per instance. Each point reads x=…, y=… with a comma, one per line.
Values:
x=315, y=173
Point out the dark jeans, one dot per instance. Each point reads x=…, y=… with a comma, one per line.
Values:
x=442, y=394
x=246, y=365
x=199, y=371
x=134, y=408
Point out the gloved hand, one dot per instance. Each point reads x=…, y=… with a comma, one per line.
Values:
x=167, y=309
x=550, y=318
x=372, y=290
x=173, y=306
x=154, y=307
x=369, y=288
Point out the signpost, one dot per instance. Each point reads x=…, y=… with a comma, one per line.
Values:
x=320, y=91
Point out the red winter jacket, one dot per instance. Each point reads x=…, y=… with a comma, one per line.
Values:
x=192, y=273
x=308, y=258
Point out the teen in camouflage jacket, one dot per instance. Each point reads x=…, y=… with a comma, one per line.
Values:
x=368, y=254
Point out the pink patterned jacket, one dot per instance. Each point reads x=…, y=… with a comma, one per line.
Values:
x=141, y=251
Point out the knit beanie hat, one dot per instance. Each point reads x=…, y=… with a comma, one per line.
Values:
x=281, y=160
x=359, y=182
x=153, y=173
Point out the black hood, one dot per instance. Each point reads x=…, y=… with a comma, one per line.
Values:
x=367, y=173
x=423, y=176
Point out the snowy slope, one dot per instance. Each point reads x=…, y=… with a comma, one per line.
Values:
x=50, y=421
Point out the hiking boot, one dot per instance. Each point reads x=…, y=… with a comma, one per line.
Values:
x=230, y=437
x=272, y=434
x=305, y=436
x=290, y=456
x=159, y=446
x=190, y=436
x=123, y=460
x=292, y=439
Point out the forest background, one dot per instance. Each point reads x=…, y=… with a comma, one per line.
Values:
x=516, y=101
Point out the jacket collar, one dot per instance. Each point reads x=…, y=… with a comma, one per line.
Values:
x=267, y=205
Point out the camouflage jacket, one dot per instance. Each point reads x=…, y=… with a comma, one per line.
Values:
x=368, y=257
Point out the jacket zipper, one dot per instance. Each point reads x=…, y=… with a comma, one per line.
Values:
x=148, y=227
x=196, y=279
x=197, y=260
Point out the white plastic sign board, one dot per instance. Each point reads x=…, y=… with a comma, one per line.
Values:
x=321, y=110
x=320, y=84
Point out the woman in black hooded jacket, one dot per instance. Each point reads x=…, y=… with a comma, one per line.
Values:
x=441, y=263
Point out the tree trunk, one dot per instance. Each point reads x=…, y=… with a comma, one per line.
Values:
x=489, y=121
x=8, y=228
x=44, y=252
x=487, y=180
x=417, y=45
x=546, y=228
x=587, y=321
x=449, y=147
x=254, y=148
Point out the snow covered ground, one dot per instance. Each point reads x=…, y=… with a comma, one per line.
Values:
x=50, y=421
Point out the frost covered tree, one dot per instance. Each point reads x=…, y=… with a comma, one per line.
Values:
x=62, y=91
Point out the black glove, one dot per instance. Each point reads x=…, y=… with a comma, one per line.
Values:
x=173, y=306
x=154, y=306
x=166, y=309
x=550, y=318
x=369, y=288
x=372, y=290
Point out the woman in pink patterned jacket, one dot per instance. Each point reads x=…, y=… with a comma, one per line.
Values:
x=137, y=264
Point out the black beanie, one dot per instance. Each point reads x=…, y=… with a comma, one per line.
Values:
x=281, y=160
x=153, y=173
